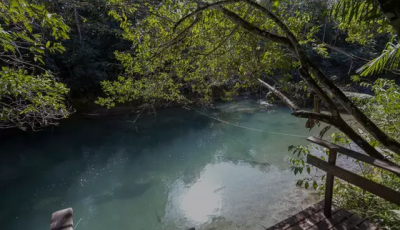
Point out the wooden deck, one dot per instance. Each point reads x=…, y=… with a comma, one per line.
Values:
x=313, y=218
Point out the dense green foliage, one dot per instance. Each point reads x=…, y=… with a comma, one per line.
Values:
x=170, y=51
x=383, y=108
x=30, y=96
x=362, y=20
x=30, y=100
x=200, y=53
x=157, y=62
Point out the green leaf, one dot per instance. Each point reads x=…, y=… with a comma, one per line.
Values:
x=315, y=185
x=275, y=4
x=299, y=183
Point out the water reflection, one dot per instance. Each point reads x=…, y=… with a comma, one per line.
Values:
x=201, y=201
x=233, y=195
x=175, y=171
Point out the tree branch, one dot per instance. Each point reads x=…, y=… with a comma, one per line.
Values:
x=205, y=7
x=287, y=101
x=255, y=30
x=223, y=41
x=362, y=119
x=313, y=115
x=293, y=44
x=318, y=90
x=336, y=121
x=235, y=18
x=178, y=38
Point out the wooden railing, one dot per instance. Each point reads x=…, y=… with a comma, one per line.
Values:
x=333, y=170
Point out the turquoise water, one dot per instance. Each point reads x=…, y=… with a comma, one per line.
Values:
x=175, y=170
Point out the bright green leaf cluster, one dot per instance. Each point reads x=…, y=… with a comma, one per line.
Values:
x=23, y=30
x=30, y=100
x=29, y=95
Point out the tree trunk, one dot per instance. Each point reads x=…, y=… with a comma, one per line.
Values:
x=78, y=27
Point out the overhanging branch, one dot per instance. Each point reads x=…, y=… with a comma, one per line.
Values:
x=206, y=7
x=313, y=115
x=318, y=90
x=287, y=101
x=361, y=118
x=235, y=18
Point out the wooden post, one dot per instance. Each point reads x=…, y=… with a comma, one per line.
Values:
x=329, y=184
x=62, y=220
x=316, y=104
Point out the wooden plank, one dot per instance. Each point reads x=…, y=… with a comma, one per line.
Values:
x=389, y=166
x=312, y=220
x=375, y=188
x=293, y=220
x=333, y=220
x=316, y=104
x=329, y=184
x=348, y=223
x=323, y=143
x=365, y=226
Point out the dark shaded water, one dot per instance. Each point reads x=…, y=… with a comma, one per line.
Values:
x=176, y=170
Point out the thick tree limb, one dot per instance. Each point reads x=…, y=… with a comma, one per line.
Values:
x=363, y=120
x=78, y=27
x=287, y=101
x=238, y=21
x=336, y=121
x=235, y=18
x=292, y=43
x=339, y=123
x=313, y=115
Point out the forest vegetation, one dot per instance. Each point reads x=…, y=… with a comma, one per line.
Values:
x=58, y=57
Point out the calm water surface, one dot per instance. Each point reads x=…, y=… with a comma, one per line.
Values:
x=176, y=170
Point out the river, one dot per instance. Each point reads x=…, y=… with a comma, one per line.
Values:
x=173, y=170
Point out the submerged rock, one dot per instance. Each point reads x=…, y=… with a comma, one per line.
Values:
x=250, y=162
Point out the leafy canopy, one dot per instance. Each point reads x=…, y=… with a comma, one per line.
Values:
x=205, y=51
